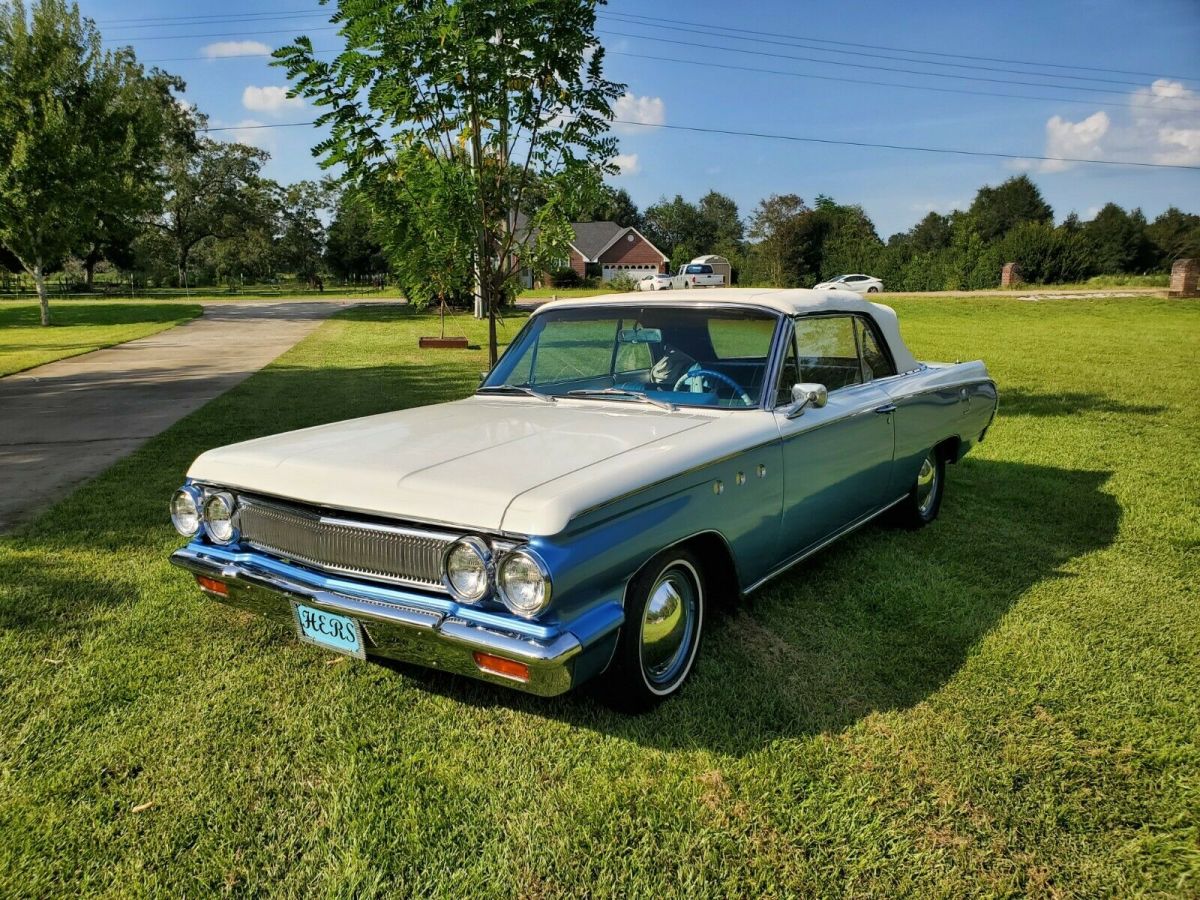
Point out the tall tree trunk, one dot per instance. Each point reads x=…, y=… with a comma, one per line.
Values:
x=39, y=278
x=492, y=354
x=89, y=271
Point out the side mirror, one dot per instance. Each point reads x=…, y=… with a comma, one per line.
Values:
x=806, y=395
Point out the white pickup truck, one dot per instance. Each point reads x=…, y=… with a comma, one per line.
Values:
x=697, y=275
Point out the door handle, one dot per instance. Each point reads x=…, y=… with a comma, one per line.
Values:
x=886, y=410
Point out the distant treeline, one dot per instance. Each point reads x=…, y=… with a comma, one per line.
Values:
x=788, y=242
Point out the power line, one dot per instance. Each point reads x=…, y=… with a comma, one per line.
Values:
x=643, y=37
x=686, y=44
x=233, y=34
x=859, y=45
x=841, y=53
x=809, y=75
x=250, y=19
x=309, y=12
x=895, y=84
x=817, y=140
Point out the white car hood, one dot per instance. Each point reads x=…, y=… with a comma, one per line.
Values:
x=461, y=463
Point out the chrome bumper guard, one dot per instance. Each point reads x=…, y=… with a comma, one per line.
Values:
x=396, y=630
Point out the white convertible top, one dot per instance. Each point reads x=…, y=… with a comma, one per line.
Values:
x=789, y=301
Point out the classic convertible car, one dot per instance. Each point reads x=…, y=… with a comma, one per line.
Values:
x=630, y=462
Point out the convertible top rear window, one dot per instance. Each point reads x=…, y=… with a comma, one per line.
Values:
x=687, y=356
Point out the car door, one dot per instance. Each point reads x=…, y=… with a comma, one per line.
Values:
x=837, y=459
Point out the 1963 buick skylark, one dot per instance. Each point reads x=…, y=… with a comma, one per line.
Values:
x=629, y=462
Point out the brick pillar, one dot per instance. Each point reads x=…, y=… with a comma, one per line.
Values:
x=1010, y=275
x=1185, y=278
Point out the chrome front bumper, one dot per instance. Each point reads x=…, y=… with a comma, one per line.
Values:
x=408, y=629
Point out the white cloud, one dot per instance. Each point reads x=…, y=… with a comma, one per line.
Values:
x=628, y=164
x=269, y=99
x=1161, y=125
x=1079, y=139
x=223, y=49
x=641, y=110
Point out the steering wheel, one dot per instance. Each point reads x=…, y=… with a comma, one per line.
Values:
x=738, y=390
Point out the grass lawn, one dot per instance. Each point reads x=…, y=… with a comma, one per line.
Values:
x=79, y=327
x=1005, y=703
x=561, y=293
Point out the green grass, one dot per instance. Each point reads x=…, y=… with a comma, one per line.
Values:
x=79, y=327
x=561, y=293
x=1005, y=703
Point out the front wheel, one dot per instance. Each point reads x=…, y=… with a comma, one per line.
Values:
x=924, y=499
x=664, y=618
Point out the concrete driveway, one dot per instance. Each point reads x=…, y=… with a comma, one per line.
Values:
x=67, y=421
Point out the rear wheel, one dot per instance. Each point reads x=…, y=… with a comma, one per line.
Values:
x=664, y=618
x=872, y=290
x=924, y=499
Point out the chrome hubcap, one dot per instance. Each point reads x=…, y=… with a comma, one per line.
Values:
x=668, y=626
x=926, y=486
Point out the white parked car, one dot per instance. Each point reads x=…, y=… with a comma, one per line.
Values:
x=656, y=282
x=860, y=284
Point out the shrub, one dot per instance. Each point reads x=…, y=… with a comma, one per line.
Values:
x=622, y=281
x=565, y=278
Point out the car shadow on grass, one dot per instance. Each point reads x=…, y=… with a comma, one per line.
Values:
x=879, y=621
x=1017, y=402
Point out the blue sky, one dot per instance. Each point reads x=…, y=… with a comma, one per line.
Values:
x=1138, y=116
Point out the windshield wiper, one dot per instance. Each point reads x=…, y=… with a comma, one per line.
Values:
x=617, y=392
x=515, y=389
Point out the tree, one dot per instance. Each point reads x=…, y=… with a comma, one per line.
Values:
x=931, y=233
x=771, y=226
x=81, y=134
x=1047, y=255
x=673, y=226
x=214, y=192
x=1174, y=235
x=997, y=210
x=508, y=92
x=1118, y=240
x=429, y=248
x=300, y=243
x=721, y=228
x=352, y=250
x=612, y=205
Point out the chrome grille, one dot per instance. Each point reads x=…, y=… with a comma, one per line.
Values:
x=334, y=543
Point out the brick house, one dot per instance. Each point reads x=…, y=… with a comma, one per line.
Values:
x=611, y=249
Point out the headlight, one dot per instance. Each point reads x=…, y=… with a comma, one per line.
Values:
x=218, y=517
x=185, y=511
x=524, y=583
x=467, y=569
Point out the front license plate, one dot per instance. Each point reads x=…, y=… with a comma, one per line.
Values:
x=329, y=630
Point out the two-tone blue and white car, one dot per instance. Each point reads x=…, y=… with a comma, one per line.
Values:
x=629, y=463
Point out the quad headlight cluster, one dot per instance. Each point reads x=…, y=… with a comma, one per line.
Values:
x=470, y=571
x=193, y=509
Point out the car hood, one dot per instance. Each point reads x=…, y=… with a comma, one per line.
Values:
x=461, y=463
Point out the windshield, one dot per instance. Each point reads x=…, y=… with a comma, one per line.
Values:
x=682, y=356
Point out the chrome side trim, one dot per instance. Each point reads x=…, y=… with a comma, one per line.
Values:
x=806, y=553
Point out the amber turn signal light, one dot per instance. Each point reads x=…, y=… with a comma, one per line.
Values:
x=220, y=588
x=498, y=665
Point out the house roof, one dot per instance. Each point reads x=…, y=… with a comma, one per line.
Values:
x=592, y=237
